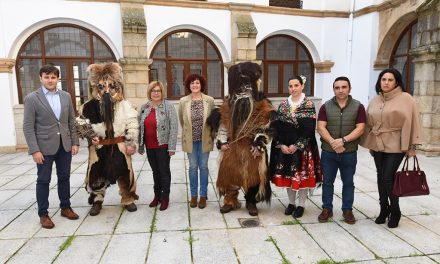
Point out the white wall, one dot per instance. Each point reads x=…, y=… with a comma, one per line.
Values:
x=334, y=5
x=364, y=50
x=326, y=39
x=7, y=131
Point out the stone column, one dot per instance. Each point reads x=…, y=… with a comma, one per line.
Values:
x=427, y=74
x=244, y=32
x=135, y=61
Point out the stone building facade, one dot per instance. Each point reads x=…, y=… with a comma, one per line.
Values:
x=134, y=29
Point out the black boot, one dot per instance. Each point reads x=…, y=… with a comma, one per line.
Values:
x=383, y=215
x=394, y=219
x=395, y=212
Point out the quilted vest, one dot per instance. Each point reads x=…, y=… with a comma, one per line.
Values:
x=341, y=122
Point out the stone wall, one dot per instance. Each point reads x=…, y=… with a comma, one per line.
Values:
x=427, y=74
x=135, y=61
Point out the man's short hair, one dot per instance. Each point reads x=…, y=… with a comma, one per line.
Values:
x=342, y=78
x=48, y=69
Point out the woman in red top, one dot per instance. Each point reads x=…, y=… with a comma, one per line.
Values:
x=158, y=134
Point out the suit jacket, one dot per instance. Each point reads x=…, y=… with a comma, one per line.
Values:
x=42, y=129
x=185, y=122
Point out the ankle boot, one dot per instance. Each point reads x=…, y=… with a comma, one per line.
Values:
x=164, y=204
x=155, y=202
x=383, y=215
x=394, y=218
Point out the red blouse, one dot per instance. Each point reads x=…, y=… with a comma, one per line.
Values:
x=150, y=132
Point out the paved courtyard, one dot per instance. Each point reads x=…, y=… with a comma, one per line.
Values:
x=185, y=235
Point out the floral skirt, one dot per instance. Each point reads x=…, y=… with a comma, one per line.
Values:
x=307, y=176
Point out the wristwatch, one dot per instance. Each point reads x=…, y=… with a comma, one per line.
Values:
x=344, y=140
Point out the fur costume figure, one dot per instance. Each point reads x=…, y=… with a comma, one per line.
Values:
x=109, y=122
x=242, y=136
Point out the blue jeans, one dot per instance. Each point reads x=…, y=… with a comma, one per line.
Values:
x=62, y=160
x=198, y=161
x=330, y=163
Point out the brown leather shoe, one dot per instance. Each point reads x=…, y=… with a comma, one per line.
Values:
x=202, y=202
x=325, y=215
x=348, y=217
x=46, y=222
x=193, y=203
x=69, y=213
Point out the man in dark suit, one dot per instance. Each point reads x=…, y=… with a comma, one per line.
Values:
x=49, y=129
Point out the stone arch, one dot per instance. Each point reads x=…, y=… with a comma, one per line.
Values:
x=392, y=35
x=301, y=37
x=212, y=36
x=25, y=34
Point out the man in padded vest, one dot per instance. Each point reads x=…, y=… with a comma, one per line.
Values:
x=341, y=122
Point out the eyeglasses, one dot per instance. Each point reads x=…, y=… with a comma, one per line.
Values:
x=156, y=91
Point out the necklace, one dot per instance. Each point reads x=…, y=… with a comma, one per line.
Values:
x=294, y=104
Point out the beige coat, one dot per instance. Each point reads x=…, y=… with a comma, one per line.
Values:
x=393, y=123
x=185, y=122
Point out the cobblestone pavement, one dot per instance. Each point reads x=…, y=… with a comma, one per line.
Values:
x=185, y=235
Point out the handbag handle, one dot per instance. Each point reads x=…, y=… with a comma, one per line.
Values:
x=416, y=161
x=415, y=168
x=405, y=164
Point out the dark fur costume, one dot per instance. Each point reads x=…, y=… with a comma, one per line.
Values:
x=110, y=117
x=244, y=119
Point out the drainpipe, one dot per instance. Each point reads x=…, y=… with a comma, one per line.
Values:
x=350, y=37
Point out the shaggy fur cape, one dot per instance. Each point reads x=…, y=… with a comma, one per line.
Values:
x=110, y=116
x=237, y=165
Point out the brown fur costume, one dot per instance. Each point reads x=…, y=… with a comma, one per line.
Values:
x=114, y=121
x=238, y=167
x=244, y=121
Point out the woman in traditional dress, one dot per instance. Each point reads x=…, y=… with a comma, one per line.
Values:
x=294, y=158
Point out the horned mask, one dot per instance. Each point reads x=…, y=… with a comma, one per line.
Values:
x=105, y=79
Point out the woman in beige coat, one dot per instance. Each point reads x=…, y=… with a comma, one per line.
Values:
x=196, y=135
x=392, y=131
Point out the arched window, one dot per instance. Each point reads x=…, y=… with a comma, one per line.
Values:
x=180, y=53
x=69, y=47
x=400, y=57
x=284, y=57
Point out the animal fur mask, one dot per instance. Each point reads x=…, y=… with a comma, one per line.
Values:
x=105, y=78
x=243, y=82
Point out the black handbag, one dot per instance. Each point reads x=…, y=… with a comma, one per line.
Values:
x=410, y=182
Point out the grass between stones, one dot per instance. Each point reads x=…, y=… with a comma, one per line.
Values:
x=274, y=242
x=291, y=222
x=325, y=261
x=66, y=244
